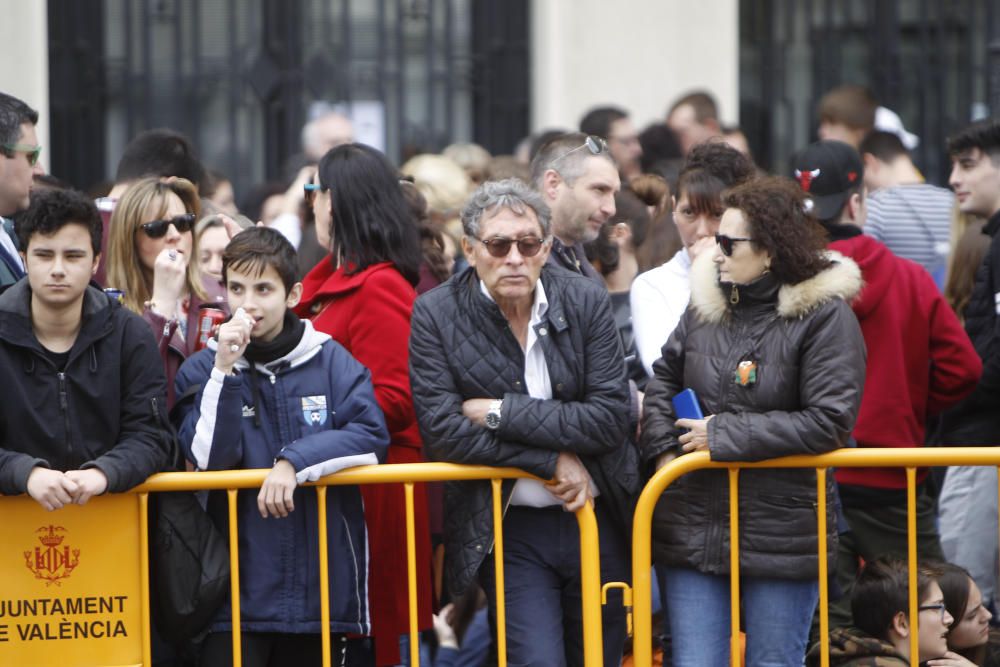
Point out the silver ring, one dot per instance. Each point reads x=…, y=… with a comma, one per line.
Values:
x=234, y=348
x=172, y=254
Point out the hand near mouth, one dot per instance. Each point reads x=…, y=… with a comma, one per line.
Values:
x=234, y=336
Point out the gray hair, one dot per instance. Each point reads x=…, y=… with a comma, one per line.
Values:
x=563, y=154
x=510, y=193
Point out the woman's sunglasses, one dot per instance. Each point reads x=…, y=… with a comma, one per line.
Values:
x=527, y=246
x=310, y=190
x=158, y=228
x=726, y=243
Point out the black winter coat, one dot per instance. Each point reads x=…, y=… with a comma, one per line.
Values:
x=461, y=347
x=810, y=358
x=976, y=420
x=106, y=411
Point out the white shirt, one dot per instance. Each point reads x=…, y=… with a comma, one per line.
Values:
x=531, y=492
x=8, y=245
x=659, y=297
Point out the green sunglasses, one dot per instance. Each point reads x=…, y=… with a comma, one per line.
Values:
x=32, y=152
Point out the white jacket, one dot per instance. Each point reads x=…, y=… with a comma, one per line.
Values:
x=659, y=297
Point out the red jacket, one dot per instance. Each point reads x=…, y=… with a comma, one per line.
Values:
x=920, y=360
x=369, y=314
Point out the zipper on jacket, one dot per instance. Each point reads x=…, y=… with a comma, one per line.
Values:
x=64, y=408
x=734, y=295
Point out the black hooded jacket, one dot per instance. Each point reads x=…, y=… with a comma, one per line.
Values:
x=106, y=410
x=976, y=420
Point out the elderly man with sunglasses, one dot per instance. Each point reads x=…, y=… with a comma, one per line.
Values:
x=515, y=362
x=19, y=151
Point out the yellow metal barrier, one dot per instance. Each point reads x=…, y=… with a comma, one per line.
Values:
x=407, y=474
x=909, y=458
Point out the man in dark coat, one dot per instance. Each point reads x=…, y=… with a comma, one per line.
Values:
x=920, y=362
x=84, y=401
x=968, y=503
x=19, y=152
x=517, y=363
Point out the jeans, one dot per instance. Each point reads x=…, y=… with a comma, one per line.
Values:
x=542, y=585
x=776, y=613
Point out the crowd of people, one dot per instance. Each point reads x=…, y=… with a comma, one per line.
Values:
x=587, y=309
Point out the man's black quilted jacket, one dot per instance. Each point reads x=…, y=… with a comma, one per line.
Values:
x=461, y=347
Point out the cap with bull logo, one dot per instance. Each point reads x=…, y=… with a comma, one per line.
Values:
x=829, y=171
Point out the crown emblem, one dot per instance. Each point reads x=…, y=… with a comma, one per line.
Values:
x=52, y=562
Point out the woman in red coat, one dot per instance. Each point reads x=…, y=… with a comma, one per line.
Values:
x=362, y=295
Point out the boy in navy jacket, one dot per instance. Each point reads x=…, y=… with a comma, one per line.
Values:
x=275, y=393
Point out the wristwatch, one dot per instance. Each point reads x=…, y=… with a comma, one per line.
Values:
x=493, y=415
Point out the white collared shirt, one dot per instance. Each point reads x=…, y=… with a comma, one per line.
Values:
x=8, y=245
x=531, y=492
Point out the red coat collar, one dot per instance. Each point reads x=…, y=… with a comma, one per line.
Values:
x=323, y=282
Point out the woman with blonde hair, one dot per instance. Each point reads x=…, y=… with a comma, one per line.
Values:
x=152, y=258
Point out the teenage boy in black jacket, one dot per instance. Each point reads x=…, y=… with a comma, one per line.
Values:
x=84, y=389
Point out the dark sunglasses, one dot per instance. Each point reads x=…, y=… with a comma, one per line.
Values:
x=595, y=145
x=726, y=243
x=528, y=246
x=31, y=152
x=158, y=228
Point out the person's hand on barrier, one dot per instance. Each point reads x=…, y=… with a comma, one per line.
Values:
x=950, y=659
x=445, y=633
x=475, y=410
x=571, y=483
x=665, y=458
x=89, y=483
x=696, y=439
x=275, y=497
x=52, y=489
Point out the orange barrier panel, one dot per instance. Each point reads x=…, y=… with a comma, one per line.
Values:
x=909, y=458
x=134, y=563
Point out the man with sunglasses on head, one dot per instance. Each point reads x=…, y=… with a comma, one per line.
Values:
x=920, y=361
x=19, y=151
x=578, y=179
x=514, y=362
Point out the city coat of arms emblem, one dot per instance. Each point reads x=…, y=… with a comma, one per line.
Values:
x=52, y=561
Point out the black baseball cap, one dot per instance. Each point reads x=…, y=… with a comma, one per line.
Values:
x=828, y=171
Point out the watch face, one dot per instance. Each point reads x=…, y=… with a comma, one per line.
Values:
x=492, y=420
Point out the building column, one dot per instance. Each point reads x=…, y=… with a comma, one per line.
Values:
x=24, y=59
x=637, y=54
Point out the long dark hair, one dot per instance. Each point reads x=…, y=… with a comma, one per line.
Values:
x=955, y=590
x=370, y=220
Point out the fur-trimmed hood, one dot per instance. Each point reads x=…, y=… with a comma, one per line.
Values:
x=842, y=280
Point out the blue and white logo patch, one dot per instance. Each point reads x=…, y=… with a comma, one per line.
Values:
x=314, y=410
